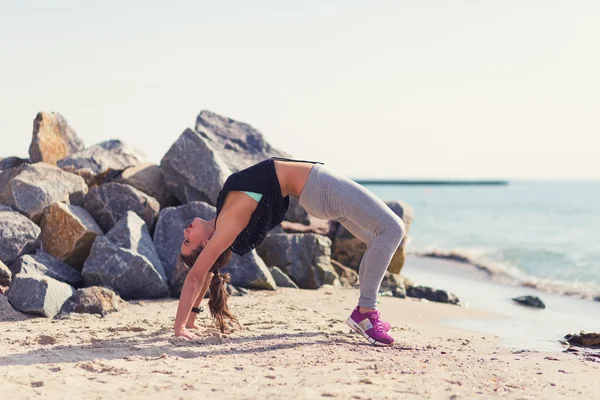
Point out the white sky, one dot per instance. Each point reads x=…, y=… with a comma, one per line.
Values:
x=375, y=89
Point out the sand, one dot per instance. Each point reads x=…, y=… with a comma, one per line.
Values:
x=295, y=345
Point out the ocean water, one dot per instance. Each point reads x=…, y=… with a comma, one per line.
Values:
x=546, y=232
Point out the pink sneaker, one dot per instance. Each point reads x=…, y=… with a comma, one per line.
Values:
x=370, y=326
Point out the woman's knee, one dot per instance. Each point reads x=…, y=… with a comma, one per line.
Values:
x=396, y=229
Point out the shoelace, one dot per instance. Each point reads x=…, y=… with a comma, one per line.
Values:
x=378, y=325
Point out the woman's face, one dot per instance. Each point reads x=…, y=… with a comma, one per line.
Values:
x=195, y=235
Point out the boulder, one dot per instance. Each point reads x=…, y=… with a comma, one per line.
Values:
x=281, y=279
x=349, y=250
x=168, y=234
x=110, y=202
x=68, y=233
x=348, y=277
x=53, y=139
x=31, y=188
x=11, y=162
x=193, y=170
x=315, y=225
x=97, y=159
x=149, y=179
x=583, y=339
x=303, y=257
x=18, y=235
x=394, y=284
x=125, y=260
x=5, y=275
x=45, y=264
x=424, y=292
x=93, y=300
x=38, y=294
x=249, y=271
x=530, y=301
x=239, y=144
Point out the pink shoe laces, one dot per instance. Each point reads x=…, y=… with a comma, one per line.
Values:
x=378, y=325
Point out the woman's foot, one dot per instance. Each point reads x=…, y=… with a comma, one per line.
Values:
x=370, y=326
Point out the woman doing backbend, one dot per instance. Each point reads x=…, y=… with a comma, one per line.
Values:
x=253, y=201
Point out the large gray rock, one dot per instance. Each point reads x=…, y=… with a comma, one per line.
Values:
x=31, y=188
x=131, y=233
x=53, y=139
x=68, y=233
x=240, y=146
x=168, y=234
x=149, y=179
x=93, y=300
x=110, y=202
x=281, y=278
x=99, y=158
x=18, y=235
x=248, y=271
x=125, y=261
x=11, y=162
x=303, y=257
x=193, y=170
x=45, y=264
x=5, y=275
x=431, y=294
x=349, y=250
x=38, y=294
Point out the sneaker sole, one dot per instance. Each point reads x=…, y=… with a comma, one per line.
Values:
x=350, y=322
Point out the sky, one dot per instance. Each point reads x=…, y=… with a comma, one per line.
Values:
x=460, y=89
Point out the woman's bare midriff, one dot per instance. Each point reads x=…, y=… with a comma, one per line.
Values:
x=292, y=176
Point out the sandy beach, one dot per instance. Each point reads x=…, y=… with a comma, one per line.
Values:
x=295, y=345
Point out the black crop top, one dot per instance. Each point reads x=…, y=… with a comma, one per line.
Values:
x=260, y=178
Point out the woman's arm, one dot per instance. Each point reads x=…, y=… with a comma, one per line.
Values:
x=192, y=318
x=230, y=226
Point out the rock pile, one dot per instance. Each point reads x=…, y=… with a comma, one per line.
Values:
x=82, y=228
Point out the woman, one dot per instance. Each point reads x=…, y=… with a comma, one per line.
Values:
x=253, y=201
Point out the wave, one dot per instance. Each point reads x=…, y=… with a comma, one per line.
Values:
x=506, y=273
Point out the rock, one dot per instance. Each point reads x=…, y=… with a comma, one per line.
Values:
x=96, y=159
x=11, y=162
x=249, y=271
x=393, y=283
x=315, y=225
x=125, y=261
x=93, y=300
x=149, y=179
x=281, y=279
x=45, y=264
x=349, y=250
x=131, y=233
x=31, y=188
x=584, y=339
x=168, y=234
x=68, y=233
x=531, y=301
x=53, y=139
x=5, y=275
x=231, y=290
x=38, y=294
x=304, y=257
x=239, y=144
x=597, y=298
x=348, y=277
x=296, y=213
x=193, y=170
x=424, y=292
x=18, y=235
x=110, y=202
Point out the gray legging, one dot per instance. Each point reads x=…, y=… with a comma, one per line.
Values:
x=330, y=195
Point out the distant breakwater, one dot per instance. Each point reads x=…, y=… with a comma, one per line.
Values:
x=431, y=182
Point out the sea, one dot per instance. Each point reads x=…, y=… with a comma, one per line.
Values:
x=537, y=238
x=544, y=233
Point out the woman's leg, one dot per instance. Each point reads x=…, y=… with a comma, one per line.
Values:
x=328, y=194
